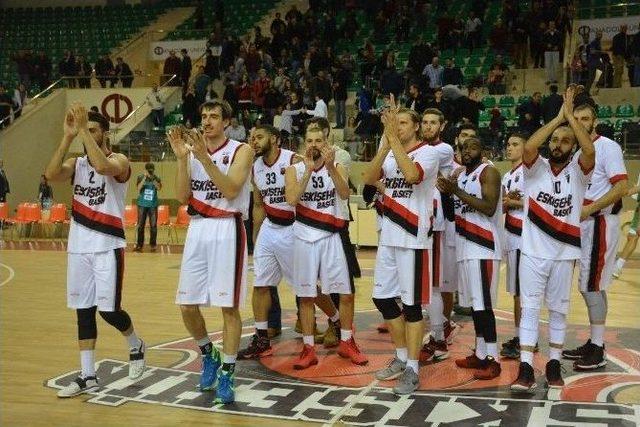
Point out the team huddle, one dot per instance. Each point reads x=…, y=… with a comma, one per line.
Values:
x=446, y=220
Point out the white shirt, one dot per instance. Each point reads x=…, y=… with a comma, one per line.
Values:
x=238, y=133
x=320, y=109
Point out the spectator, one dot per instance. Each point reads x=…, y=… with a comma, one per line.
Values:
x=84, y=72
x=243, y=91
x=42, y=70
x=419, y=56
x=212, y=95
x=190, y=108
x=350, y=27
x=473, y=30
x=20, y=99
x=259, y=88
x=434, y=73
x=379, y=27
x=123, y=72
x=185, y=69
x=253, y=62
x=496, y=126
x=24, y=67
x=520, y=36
x=172, y=66
x=277, y=25
x=439, y=103
x=620, y=52
x=552, y=41
x=452, y=75
x=104, y=69
x=155, y=101
x=322, y=86
x=551, y=105
x=340, y=84
x=4, y=182
x=230, y=95
x=148, y=185
x=5, y=107
x=416, y=101
x=67, y=68
x=577, y=66
x=530, y=114
x=235, y=130
x=498, y=38
x=536, y=41
x=594, y=58
x=45, y=193
x=212, y=65
x=391, y=82
x=320, y=109
x=201, y=82
x=634, y=50
x=495, y=81
x=272, y=100
x=470, y=106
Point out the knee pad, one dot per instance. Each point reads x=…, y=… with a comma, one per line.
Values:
x=118, y=319
x=87, y=328
x=596, y=306
x=388, y=307
x=412, y=313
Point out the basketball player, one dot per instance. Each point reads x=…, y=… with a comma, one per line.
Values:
x=273, y=221
x=212, y=177
x=317, y=188
x=408, y=167
x=96, y=240
x=600, y=234
x=632, y=235
x=554, y=189
x=512, y=205
x=478, y=251
x=436, y=347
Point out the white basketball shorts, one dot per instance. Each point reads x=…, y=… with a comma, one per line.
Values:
x=95, y=279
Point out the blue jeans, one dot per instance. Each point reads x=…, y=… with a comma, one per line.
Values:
x=143, y=213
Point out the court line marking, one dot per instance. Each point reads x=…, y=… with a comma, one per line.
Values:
x=12, y=274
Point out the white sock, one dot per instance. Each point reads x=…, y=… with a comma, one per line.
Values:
x=436, y=318
x=554, y=353
x=262, y=325
x=526, y=356
x=529, y=326
x=620, y=263
x=492, y=350
x=133, y=341
x=229, y=358
x=402, y=354
x=597, y=335
x=516, y=332
x=335, y=317
x=345, y=334
x=308, y=340
x=481, y=348
x=87, y=363
x=413, y=364
x=203, y=341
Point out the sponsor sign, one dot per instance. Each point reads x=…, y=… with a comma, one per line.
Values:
x=159, y=51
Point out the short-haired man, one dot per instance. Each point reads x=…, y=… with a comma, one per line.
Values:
x=600, y=235
x=554, y=189
x=512, y=203
x=213, y=177
x=148, y=185
x=317, y=188
x=95, y=265
x=478, y=250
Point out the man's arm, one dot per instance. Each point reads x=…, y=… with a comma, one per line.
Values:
x=412, y=174
x=258, y=212
x=58, y=169
x=490, y=185
x=536, y=140
x=140, y=182
x=293, y=188
x=183, y=172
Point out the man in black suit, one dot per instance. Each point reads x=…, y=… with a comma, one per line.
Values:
x=4, y=184
x=551, y=105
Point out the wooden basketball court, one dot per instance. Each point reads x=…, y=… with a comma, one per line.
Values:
x=38, y=344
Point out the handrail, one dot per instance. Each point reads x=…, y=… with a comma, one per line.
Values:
x=36, y=96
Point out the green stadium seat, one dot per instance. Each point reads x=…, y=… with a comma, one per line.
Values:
x=489, y=101
x=625, y=111
x=604, y=112
x=507, y=102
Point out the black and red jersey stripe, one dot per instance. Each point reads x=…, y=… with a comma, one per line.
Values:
x=98, y=221
x=513, y=225
x=475, y=233
x=319, y=220
x=279, y=216
x=552, y=226
x=196, y=207
x=400, y=215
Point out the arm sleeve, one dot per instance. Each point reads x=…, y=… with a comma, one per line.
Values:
x=614, y=165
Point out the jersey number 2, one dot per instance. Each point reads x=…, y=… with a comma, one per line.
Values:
x=91, y=175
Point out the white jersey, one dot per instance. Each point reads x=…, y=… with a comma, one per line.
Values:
x=97, y=210
x=445, y=167
x=206, y=200
x=513, y=181
x=319, y=213
x=408, y=208
x=269, y=180
x=552, y=203
x=609, y=169
x=477, y=235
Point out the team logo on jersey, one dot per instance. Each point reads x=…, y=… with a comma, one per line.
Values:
x=282, y=170
x=225, y=159
x=473, y=178
x=517, y=178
